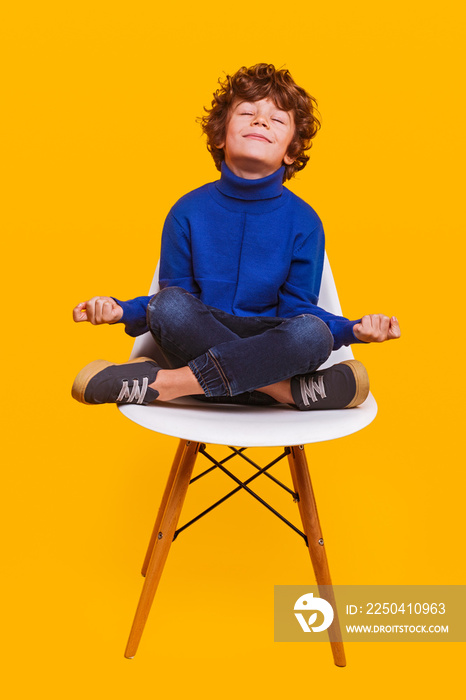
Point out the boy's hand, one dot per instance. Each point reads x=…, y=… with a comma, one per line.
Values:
x=376, y=328
x=98, y=310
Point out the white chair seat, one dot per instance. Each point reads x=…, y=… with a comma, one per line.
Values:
x=249, y=426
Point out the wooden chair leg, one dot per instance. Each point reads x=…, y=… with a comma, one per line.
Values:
x=310, y=519
x=163, y=504
x=162, y=546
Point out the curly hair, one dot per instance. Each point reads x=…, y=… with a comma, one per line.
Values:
x=256, y=83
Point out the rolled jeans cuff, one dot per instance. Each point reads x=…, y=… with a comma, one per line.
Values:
x=209, y=374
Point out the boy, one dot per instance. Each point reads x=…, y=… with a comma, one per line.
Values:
x=240, y=272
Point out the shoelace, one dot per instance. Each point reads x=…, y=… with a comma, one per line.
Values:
x=310, y=388
x=136, y=393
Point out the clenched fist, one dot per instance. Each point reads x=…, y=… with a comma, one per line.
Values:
x=98, y=310
x=376, y=328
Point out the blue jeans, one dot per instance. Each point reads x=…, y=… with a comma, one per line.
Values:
x=232, y=356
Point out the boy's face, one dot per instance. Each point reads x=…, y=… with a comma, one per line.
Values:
x=257, y=138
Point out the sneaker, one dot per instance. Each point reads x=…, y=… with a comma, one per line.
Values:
x=344, y=385
x=103, y=382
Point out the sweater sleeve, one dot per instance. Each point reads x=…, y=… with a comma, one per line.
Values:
x=134, y=315
x=340, y=327
x=302, y=284
x=300, y=292
x=176, y=267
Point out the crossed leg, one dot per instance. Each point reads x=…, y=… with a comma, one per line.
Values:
x=216, y=354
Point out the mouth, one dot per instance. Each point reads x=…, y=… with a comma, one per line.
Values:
x=259, y=137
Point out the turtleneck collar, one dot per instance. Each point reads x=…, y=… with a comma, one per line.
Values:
x=241, y=188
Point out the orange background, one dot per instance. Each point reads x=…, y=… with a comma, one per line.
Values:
x=100, y=140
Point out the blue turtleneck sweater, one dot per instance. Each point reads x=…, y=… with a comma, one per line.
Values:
x=247, y=247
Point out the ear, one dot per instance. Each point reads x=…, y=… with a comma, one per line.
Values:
x=220, y=145
x=287, y=160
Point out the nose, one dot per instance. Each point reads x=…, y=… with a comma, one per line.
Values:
x=260, y=119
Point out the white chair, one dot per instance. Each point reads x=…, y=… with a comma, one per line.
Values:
x=197, y=424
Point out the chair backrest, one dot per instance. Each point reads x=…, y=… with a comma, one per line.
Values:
x=145, y=345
